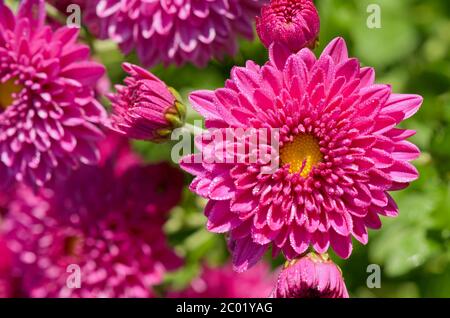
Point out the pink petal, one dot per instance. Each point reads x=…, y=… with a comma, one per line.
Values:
x=220, y=219
x=246, y=253
x=403, y=172
x=337, y=49
x=342, y=245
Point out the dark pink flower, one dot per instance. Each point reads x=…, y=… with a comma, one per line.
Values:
x=223, y=282
x=159, y=184
x=339, y=155
x=145, y=108
x=48, y=113
x=312, y=276
x=93, y=222
x=176, y=32
x=6, y=279
x=116, y=148
x=294, y=23
x=64, y=5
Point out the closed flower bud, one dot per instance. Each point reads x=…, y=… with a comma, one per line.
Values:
x=312, y=276
x=145, y=107
x=294, y=23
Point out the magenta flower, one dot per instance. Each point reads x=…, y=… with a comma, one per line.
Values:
x=6, y=280
x=340, y=153
x=312, y=276
x=115, y=150
x=48, y=114
x=63, y=5
x=88, y=12
x=145, y=108
x=97, y=222
x=294, y=23
x=160, y=184
x=176, y=31
x=223, y=282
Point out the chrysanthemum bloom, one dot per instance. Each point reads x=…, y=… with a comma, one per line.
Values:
x=312, y=276
x=339, y=154
x=87, y=9
x=159, y=183
x=176, y=32
x=47, y=109
x=294, y=23
x=116, y=150
x=223, y=282
x=145, y=108
x=90, y=225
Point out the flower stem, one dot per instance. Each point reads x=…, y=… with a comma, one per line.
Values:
x=193, y=130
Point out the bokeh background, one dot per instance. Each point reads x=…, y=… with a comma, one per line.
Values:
x=411, y=51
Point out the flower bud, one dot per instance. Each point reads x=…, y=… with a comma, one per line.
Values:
x=312, y=276
x=294, y=23
x=145, y=108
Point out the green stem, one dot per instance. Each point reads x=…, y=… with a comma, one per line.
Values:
x=193, y=130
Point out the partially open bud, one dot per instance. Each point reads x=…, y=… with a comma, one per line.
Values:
x=145, y=108
x=312, y=276
x=294, y=23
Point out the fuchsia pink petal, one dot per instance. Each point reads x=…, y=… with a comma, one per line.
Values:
x=312, y=276
x=7, y=285
x=293, y=23
x=48, y=111
x=145, y=108
x=107, y=219
x=361, y=155
x=174, y=32
x=246, y=253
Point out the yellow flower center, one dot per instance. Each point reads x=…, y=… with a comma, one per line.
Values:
x=7, y=90
x=302, y=154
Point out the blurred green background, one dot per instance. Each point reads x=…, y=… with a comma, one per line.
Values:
x=409, y=51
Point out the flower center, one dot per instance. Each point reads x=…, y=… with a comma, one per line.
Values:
x=287, y=10
x=302, y=154
x=7, y=91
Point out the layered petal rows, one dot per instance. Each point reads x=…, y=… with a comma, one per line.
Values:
x=294, y=23
x=339, y=154
x=312, y=276
x=145, y=108
x=48, y=113
x=104, y=224
x=175, y=32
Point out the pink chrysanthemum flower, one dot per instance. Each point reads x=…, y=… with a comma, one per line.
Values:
x=223, y=282
x=145, y=108
x=95, y=225
x=294, y=23
x=176, y=31
x=312, y=276
x=47, y=109
x=339, y=154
